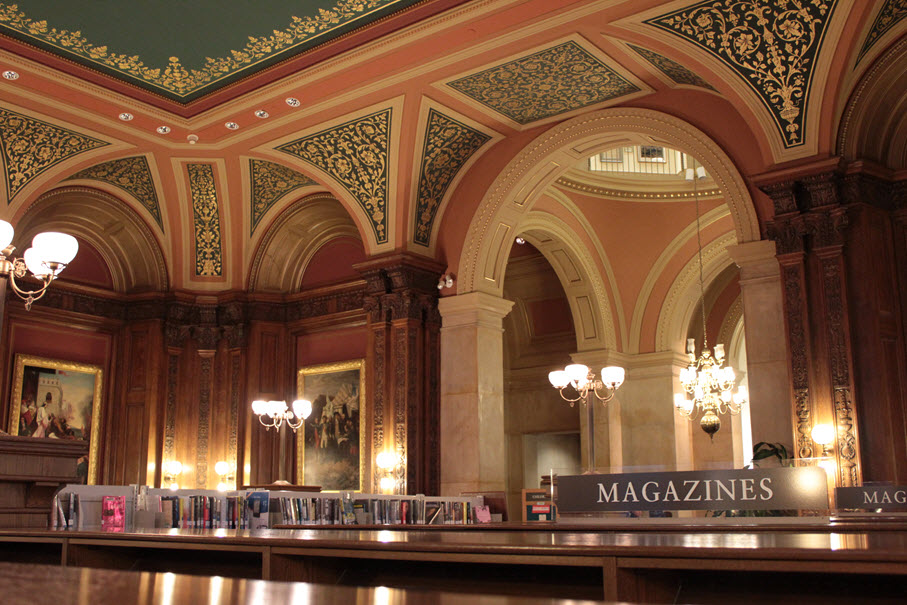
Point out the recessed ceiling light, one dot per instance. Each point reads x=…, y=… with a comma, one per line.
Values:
x=293, y=102
x=10, y=75
x=232, y=125
x=126, y=116
x=261, y=113
x=163, y=129
x=192, y=138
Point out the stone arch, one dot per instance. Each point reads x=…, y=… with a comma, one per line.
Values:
x=518, y=186
x=583, y=285
x=289, y=243
x=123, y=239
x=683, y=295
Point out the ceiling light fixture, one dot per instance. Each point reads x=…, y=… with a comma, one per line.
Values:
x=293, y=102
x=49, y=254
x=10, y=75
x=232, y=125
x=163, y=130
x=520, y=240
x=192, y=138
x=126, y=116
x=710, y=386
x=261, y=113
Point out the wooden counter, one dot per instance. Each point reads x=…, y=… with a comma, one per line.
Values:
x=46, y=585
x=702, y=566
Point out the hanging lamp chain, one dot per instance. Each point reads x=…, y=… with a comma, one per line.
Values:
x=705, y=336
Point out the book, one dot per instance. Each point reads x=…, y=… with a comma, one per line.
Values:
x=257, y=507
x=113, y=513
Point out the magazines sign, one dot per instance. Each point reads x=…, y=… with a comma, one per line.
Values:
x=758, y=489
x=874, y=497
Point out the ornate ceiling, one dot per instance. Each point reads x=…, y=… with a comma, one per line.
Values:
x=208, y=124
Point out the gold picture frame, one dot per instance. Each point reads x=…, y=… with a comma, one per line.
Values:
x=332, y=445
x=69, y=409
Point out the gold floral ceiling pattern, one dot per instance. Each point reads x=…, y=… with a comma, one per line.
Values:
x=674, y=70
x=448, y=146
x=544, y=84
x=132, y=175
x=771, y=44
x=206, y=216
x=31, y=146
x=356, y=155
x=270, y=182
x=892, y=13
x=181, y=82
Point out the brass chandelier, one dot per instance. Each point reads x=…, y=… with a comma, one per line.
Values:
x=708, y=383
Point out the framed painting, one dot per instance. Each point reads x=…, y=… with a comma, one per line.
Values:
x=332, y=449
x=58, y=400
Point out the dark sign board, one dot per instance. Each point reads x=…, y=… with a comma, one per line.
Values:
x=884, y=497
x=757, y=489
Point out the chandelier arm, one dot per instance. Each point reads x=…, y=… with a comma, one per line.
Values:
x=17, y=269
x=568, y=399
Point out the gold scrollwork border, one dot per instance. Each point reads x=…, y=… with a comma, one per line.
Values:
x=71, y=366
x=364, y=446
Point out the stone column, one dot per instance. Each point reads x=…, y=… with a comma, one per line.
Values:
x=766, y=342
x=473, y=452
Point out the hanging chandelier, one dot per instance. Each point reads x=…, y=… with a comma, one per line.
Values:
x=707, y=383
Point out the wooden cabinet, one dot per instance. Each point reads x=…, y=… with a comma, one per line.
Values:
x=31, y=470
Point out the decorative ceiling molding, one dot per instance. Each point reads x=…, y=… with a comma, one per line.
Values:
x=546, y=83
x=206, y=217
x=132, y=175
x=639, y=195
x=184, y=83
x=356, y=154
x=270, y=182
x=31, y=146
x=672, y=69
x=448, y=145
x=892, y=13
x=772, y=46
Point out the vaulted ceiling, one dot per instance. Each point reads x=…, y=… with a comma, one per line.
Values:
x=210, y=119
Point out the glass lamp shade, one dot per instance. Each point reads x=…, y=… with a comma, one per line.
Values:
x=302, y=408
x=276, y=408
x=729, y=375
x=613, y=376
x=55, y=247
x=35, y=263
x=682, y=403
x=719, y=352
x=823, y=434
x=174, y=467
x=741, y=395
x=558, y=379
x=577, y=373
x=260, y=407
x=385, y=460
x=222, y=467
x=6, y=234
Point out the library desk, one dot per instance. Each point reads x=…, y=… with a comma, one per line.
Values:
x=706, y=566
x=51, y=585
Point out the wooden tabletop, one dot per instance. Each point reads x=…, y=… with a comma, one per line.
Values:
x=52, y=585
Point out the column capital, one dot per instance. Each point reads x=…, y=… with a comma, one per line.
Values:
x=474, y=308
x=756, y=259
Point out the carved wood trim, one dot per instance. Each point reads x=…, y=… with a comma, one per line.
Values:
x=794, y=282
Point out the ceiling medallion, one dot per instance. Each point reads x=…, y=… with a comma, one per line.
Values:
x=232, y=125
x=163, y=129
x=10, y=75
x=293, y=102
x=126, y=116
x=261, y=113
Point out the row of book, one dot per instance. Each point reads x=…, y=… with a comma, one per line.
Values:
x=350, y=509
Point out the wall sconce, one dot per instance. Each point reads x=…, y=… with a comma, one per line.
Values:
x=824, y=436
x=387, y=463
x=172, y=470
x=227, y=473
x=49, y=254
x=446, y=281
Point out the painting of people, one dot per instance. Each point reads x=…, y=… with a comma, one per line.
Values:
x=329, y=447
x=57, y=399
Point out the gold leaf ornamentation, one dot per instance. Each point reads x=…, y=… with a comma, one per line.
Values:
x=544, y=84
x=31, y=146
x=356, y=155
x=771, y=44
x=448, y=146
x=270, y=182
x=674, y=70
x=132, y=175
x=175, y=79
x=206, y=218
x=890, y=15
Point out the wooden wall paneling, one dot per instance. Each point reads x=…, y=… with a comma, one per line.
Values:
x=269, y=366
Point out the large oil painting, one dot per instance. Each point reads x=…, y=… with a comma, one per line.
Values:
x=58, y=399
x=330, y=451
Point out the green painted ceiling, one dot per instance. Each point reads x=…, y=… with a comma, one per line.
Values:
x=216, y=42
